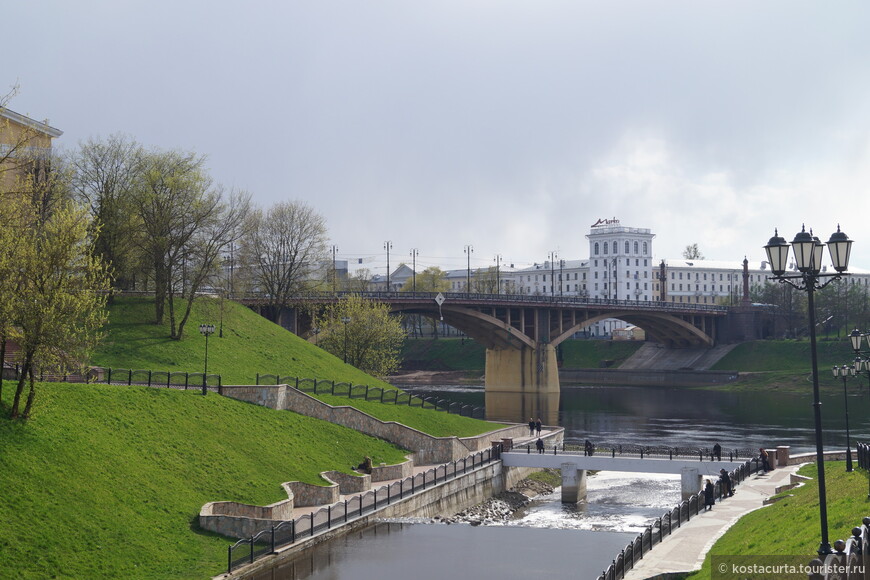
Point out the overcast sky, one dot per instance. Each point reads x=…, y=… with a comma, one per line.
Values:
x=510, y=126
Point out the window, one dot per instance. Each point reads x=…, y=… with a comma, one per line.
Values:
x=605, y=248
x=635, y=247
x=596, y=249
x=626, y=246
x=644, y=248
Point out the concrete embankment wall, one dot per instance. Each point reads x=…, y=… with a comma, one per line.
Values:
x=428, y=450
x=644, y=378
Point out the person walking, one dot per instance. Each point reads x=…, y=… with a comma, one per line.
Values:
x=531, y=426
x=540, y=445
x=765, y=459
x=725, y=480
x=538, y=426
x=709, y=495
x=717, y=452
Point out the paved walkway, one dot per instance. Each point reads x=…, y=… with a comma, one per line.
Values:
x=686, y=548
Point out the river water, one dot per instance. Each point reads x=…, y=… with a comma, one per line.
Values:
x=551, y=539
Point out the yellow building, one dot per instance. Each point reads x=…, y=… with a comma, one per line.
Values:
x=25, y=146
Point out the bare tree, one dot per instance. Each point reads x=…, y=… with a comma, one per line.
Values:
x=282, y=247
x=104, y=177
x=693, y=252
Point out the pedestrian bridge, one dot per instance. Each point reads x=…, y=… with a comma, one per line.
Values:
x=575, y=463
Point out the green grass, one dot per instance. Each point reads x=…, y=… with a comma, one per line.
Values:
x=444, y=354
x=107, y=481
x=785, y=355
x=791, y=525
x=436, y=423
x=250, y=345
x=589, y=354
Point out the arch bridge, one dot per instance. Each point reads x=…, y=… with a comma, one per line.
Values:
x=521, y=332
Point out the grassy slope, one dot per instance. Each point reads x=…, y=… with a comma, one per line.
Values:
x=784, y=364
x=107, y=481
x=791, y=526
x=251, y=345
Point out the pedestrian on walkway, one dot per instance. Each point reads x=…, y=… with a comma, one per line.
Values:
x=717, y=452
x=725, y=482
x=538, y=426
x=588, y=448
x=765, y=459
x=540, y=445
x=531, y=426
x=709, y=493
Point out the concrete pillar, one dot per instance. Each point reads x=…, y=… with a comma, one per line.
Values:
x=782, y=455
x=522, y=382
x=573, y=483
x=690, y=480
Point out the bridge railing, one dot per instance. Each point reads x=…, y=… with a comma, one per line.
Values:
x=248, y=550
x=372, y=394
x=499, y=298
x=665, y=525
x=650, y=451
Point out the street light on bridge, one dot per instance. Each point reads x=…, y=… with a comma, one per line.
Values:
x=808, y=253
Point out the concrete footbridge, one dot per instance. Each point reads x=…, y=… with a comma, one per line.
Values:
x=691, y=464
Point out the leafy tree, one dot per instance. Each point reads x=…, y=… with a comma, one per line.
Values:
x=693, y=252
x=178, y=208
x=359, y=281
x=363, y=333
x=281, y=248
x=55, y=287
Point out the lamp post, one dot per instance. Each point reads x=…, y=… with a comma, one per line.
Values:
x=414, y=254
x=344, y=321
x=497, y=274
x=808, y=252
x=553, y=256
x=388, y=246
x=206, y=330
x=469, y=249
x=845, y=372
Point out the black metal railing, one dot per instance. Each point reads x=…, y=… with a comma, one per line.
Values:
x=375, y=394
x=665, y=525
x=478, y=297
x=325, y=518
x=143, y=377
x=650, y=451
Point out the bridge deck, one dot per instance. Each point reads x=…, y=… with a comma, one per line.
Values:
x=624, y=464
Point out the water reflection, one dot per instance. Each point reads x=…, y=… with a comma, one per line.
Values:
x=438, y=551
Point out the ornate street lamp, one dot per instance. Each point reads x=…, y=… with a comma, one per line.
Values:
x=808, y=253
x=206, y=330
x=845, y=372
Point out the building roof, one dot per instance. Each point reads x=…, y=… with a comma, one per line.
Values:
x=42, y=127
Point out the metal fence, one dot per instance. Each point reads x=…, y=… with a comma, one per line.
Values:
x=652, y=451
x=665, y=525
x=247, y=550
x=144, y=377
x=376, y=394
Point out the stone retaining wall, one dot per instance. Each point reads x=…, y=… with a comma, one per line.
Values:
x=384, y=472
x=428, y=450
x=238, y=520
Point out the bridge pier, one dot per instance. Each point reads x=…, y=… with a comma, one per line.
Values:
x=521, y=383
x=690, y=482
x=573, y=483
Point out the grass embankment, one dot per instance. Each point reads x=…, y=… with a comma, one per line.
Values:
x=456, y=354
x=250, y=345
x=791, y=526
x=107, y=481
x=784, y=364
